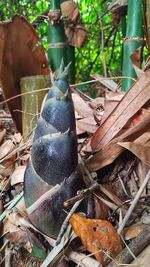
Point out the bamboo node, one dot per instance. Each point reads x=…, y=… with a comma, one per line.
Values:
x=57, y=45
x=54, y=16
x=127, y=39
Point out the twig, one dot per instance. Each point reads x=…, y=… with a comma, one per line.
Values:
x=40, y=18
x=137, y=245
x=81, y=195
x=83, y=260
x=136, y=199
x=8, y=256
x=86, y=170
x=65, y=223
x=72, y=85
x=4, y=245
x=58, y=248
x=127, y=247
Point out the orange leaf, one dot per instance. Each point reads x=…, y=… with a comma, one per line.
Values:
x=97, y=235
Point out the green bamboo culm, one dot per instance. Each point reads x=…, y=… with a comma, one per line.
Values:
x=56, y=37
x=133, y=40
x=70, y=58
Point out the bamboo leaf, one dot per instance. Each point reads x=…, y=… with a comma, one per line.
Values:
x=130, y=104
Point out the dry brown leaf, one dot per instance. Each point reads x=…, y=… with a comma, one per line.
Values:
x=70, y=10
x=6, y=148
x=133, y=231
x=112, y=150
x=97, y=235
x=79, y=36
x=86, y=125
x=140, y=151
x=101, y=210
x=75, y=31
x=130, y=104
x=81, y=107
x=111, y=103
x=18, y=175
x=8, y=166
x=19, y=35
x=104, y=157
x=4, y=184
x=11, y=222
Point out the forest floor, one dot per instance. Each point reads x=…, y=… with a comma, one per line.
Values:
x=114, y=156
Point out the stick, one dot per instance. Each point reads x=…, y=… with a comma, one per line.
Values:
x=65, y=223
x=136, y=199
x=137, y=245
x=81, y=195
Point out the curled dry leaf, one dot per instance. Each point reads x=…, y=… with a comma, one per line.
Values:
x=81, y=107
x=133, y=231
x=70, y=10
x=79, y=36
x=8, y=166
x=18, y=175
x=88, y=114
x=97, y=236
x=75, y=31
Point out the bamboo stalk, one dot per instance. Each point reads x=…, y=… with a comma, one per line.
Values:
x=133, y=39
x=70, y=58
x=148, y=22
x=56, y=37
